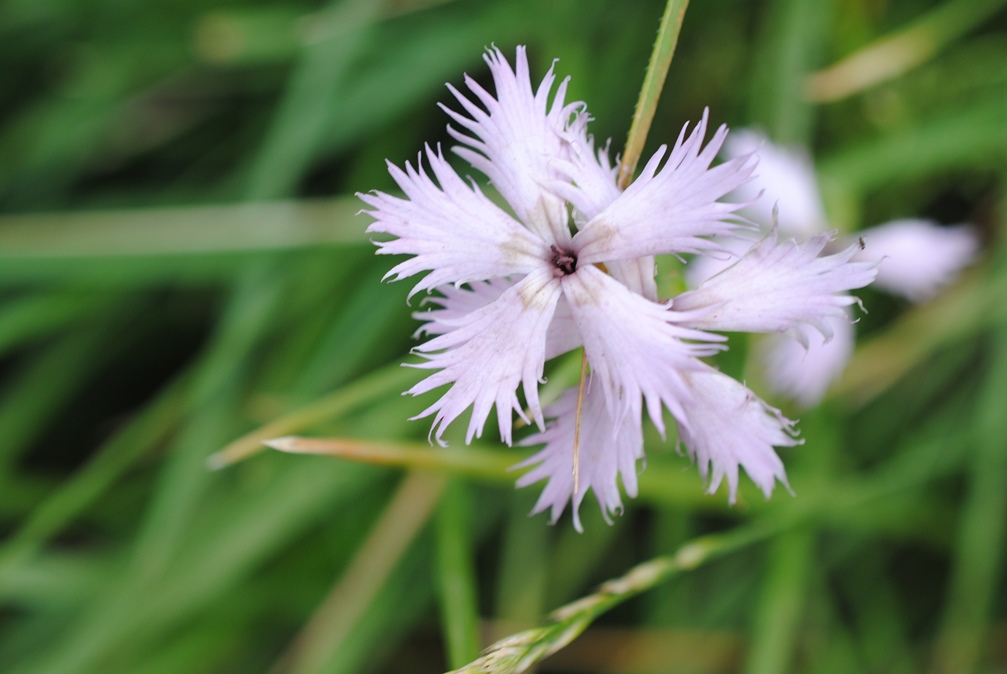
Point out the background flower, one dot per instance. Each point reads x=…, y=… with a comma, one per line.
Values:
x=917, y=258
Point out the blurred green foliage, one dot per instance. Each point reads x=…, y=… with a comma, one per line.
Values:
x=180, y=264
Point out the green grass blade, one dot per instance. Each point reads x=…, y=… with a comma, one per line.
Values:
x=456, y=580
x=333, y=621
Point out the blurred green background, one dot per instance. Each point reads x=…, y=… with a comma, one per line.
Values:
x=180, y=264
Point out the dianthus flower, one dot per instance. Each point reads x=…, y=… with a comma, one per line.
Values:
x=571, y=264
x=919, y=258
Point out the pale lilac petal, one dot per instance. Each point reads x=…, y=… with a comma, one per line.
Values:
x=607, y=454
x=805, y=374
x=637, y=274
x=703, y=267
x=453, y=231
x=595, y=177
x=563, y=335
x=785, y=178
x=726, y=426
x=492, y=351
x=455, y=303
x=779, y=287
x=635, y=349
x=592, y=174
x=515, y=137
x=919, y=257
x=668, y=211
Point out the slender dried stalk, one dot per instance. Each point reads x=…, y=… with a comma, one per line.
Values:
x=518, y=652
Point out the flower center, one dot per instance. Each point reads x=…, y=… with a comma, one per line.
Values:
x=565, y=261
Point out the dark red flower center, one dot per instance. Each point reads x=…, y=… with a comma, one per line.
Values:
x=565, y=261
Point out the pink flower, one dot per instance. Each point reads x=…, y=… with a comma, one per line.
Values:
x=569, y=264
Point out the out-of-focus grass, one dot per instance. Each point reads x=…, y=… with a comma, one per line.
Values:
x=180, y=265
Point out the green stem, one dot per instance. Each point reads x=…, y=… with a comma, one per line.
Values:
x=653, y=83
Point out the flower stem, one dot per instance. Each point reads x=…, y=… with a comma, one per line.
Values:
x=653, y=83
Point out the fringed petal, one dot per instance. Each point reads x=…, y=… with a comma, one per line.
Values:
x=804, y=374
x=703, y=267
x=635, y=348
x=514, y=138
x=726, y=426
x=589, y=175
x=779, y=287
x=673, y=210
x=607, y=454
x=490, y=353
x=452, y=231
x=455, y=303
